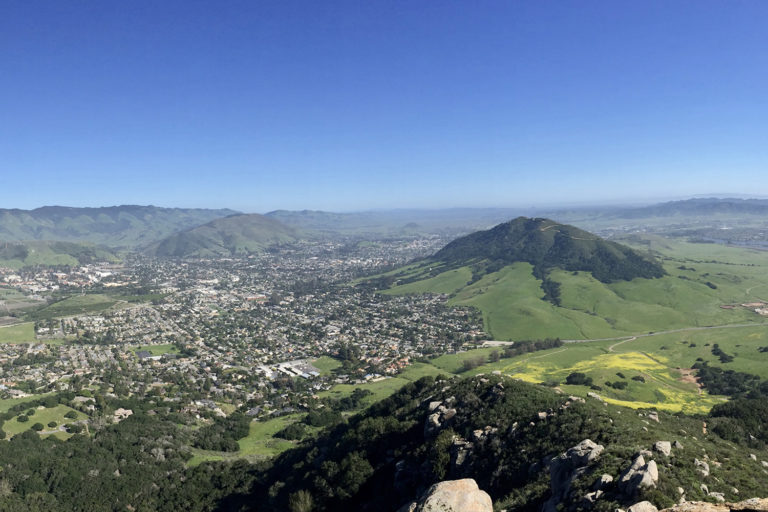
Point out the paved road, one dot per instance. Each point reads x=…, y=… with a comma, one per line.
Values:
x=624, y=339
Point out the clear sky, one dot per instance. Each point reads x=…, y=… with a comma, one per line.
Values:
x=344, y=105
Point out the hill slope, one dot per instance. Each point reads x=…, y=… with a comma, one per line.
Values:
x=21, y=254
x=508, y=436
x=546, y=244
x=116, y=226
x=576, y=305
x=233, y=235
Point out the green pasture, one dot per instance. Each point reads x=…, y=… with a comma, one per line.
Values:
x=44, y=416
x=75, y=305
x=326, y=365
x=18, y=333
x=260, y=442
x=159, y=350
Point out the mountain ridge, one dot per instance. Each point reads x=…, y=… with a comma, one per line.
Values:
x=124, y=227
x=238, y=234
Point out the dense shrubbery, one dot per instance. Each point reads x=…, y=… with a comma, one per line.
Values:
x=322, y=417
x=717, y=351
x=292, y=432
x=728, y=382
x=578, y=379
x=526, y=346
x=222, y=435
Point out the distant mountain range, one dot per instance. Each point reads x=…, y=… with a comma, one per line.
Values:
x=235, y=235
x=174, y=231
x=123, y=227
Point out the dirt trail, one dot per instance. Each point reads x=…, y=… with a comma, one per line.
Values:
x=610, y=349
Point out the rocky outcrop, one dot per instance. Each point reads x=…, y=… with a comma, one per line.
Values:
x=643, y=506
x=440, y=418
x=754, y=504
x=567, y=467
x=452, y=496
x=702, y=467
x=638, y=476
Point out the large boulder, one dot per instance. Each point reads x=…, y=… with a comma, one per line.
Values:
x=663, y=447
x=639, y=475
x=643, y=506
x=567, y=467
x=452, y=496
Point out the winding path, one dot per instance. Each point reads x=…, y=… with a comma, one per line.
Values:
x=624, y=339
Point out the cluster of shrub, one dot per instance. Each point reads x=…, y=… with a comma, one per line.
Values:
x=717, y=351
x=518, y=348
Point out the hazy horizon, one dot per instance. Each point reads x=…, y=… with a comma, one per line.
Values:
x=537, y=207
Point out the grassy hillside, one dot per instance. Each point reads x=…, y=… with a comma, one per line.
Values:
x=23, y=254
x=700, y=279
x=234, y=235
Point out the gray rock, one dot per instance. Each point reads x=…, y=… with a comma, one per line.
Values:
x=452, y=496
x=653, y=471
x=663, y=447
x=437, y=420
x=702, y=467
x=718, y=496
x=603, y=481
x=677, y=445
x=639, y=476
x=567, y=467
x=643, y=506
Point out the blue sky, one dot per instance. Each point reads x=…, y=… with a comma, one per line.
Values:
x=340, y=105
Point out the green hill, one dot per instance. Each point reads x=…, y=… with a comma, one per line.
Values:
x=22, y=254
x=546, y=244
x=230, y=236
x=127, y=226
x=535, y=278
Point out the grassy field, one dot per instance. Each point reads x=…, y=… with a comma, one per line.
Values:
x=6, y=404
x=159, y=350
x=19, y=333
x=260, y=442
x=75, y=305
x=326, y=365
x=380, y=389
x=44, y=416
